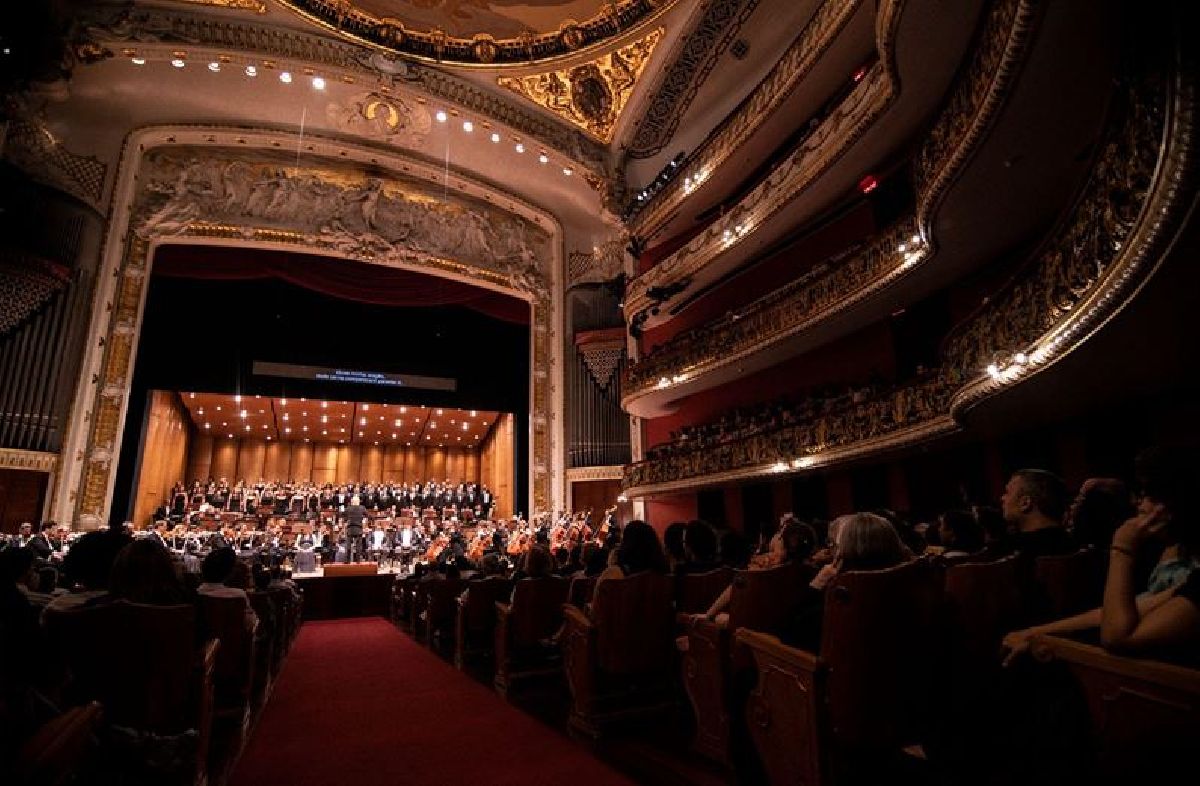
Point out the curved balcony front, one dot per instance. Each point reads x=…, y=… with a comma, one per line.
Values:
x=1118, y=233
x=966, y=153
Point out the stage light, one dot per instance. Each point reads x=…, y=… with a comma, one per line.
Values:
x=223, y=423
x=306, y=428
x=303, y=400
x=398, y=422
x=200, y=412
x=286, y=416
x=440, y=116
x=283, y=402
x=324, y=418
x=324, y=433
x=285, y=77
x=218, y=408
x=403, y=410
x=520, y=148
x=466, y=426
x=231, y=436
x=305, y=414
x=367, y=407
x=287, y=430
x=214, y=66
x=248, y=427
x=178, y=62
x=495, y=137
x=543, y=159
x=191, y=395
x=468, y=126
x=474, y=413
x=393, y=435
x=376, y=442
x=208, y=425
x=138, y=60
x=362, y=422
x=244, y=413
x=324, y=405
x=439, y=412
x=318, y=83
x=381, y=417
x=251, y=71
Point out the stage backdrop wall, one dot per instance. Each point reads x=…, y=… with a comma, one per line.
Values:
x=163, y=459
x=254, y=459
x=496, y=464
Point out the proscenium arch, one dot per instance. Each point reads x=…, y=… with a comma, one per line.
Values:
x=84, y=490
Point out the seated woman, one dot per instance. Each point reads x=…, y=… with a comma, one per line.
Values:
x=640, y=551
x=794, y=542
x=145, y=573
x=862, y=541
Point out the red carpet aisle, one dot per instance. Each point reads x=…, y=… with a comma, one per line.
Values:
x=359, y=703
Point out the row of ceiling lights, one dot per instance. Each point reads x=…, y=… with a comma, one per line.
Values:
x=318, y=82
x=468, y=127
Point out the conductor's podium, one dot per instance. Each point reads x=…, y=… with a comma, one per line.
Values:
x=350, y=569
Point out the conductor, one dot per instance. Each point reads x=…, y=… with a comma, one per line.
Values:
x=355, y=514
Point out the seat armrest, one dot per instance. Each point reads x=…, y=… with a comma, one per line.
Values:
x=772, y=646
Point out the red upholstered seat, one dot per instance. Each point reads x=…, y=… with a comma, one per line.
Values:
x=522, y=625
x=695, y=592
x=476, y=620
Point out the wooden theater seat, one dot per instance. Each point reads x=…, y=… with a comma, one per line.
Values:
x=266, y=646
x=522, y=625
x=141, y=663
x=843, y=713
x=982, y=601
x=1070, y=583
x=581, y=591
x=224, y=619
x=759, y=599
x=441, y=608
x=403, y=593
x=1144, y=713
x=475, y=628
x=695, y=592
x=620, y=659
x=57, y=750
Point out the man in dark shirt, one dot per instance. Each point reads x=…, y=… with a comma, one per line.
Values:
x=1033, y=504
x=355, y=515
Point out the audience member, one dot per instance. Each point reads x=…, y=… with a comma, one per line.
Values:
x=1101, y=505
x=144, y=572
x=1033, y=504
x=672, y=544
x=960, y=535
x=699, y=547
x=88, y=567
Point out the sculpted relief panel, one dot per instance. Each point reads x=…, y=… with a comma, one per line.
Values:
x=351, y=212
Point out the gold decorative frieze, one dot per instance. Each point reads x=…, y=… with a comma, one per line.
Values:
x=31, y=460
x=254, y=6
x=590, y=95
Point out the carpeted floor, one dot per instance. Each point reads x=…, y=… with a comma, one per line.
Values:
x=359, y=703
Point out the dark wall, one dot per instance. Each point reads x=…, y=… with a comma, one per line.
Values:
x=205, y=336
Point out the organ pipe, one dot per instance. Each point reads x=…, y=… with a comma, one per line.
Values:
x=599, y=430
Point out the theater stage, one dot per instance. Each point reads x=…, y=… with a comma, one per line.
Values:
x=355, y=590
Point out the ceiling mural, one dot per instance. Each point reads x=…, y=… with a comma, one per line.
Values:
x=590, y=95
x=481, y=32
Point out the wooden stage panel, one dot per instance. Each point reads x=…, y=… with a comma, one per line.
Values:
x=337, y=597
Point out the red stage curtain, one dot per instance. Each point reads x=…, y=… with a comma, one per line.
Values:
x=341, y=278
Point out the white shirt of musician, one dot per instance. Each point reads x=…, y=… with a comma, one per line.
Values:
x=406, y=537
x=377, y=539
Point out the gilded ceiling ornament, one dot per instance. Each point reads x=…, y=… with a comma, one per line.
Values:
x=256, y=6
x=591, y=95
x=442, y=32
x=381, y=116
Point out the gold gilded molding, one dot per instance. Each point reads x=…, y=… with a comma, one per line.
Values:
x=31, y=460
x=612, y=21
x=254, y=6
x=791, y=69
x=590, y=95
